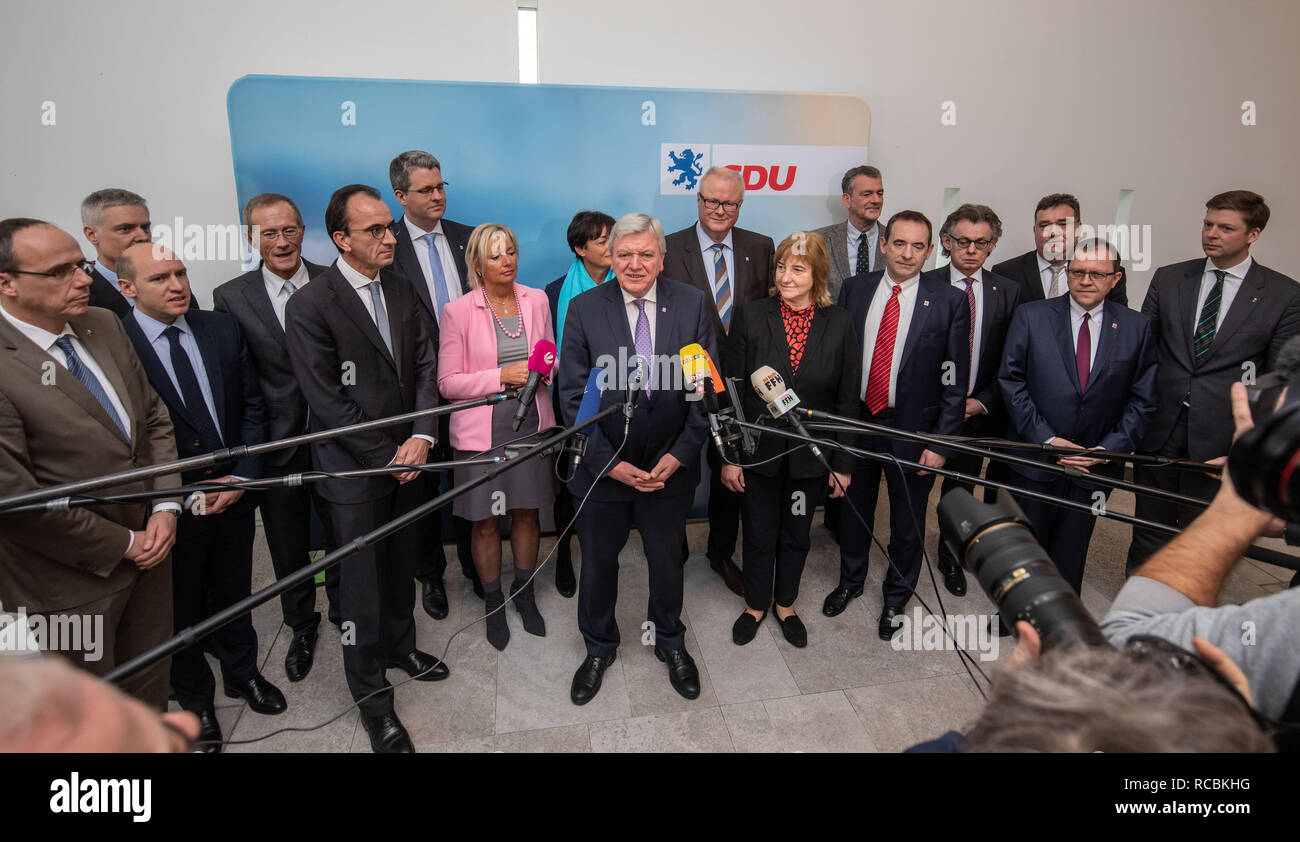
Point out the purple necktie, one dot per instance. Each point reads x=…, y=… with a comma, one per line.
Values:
x=642, y=339
x=1083, y=354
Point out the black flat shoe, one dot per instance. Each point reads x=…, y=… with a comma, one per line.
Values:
x=209, y=739
x=954, y=578
x=261, y=695
x=586, y=681
x=387, y=734
x=887, y=626
x=839, y=599
x=421, y=666
x=302, y=651
x=793, y=629
x=745, y=627
x=682, y=674
x=433, y=596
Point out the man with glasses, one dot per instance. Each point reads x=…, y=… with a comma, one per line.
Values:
x=1078, y=371
x=360, y=352
x=731, y=266
x=1041, y=272
x=968, y=236
x=431, y=255
x=856, y=243
x=113, y=219
x=257, y=300
x=76, y=403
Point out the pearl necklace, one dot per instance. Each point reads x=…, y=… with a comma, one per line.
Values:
x=518, y=311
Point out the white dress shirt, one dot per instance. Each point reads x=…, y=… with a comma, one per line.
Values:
x=1045, y=276
x=449, y=273
x=1094, y=332
x=959, y=283
x=728, y=255
x=906, y=305
x=873, y=236
x=279, y=293
x=1231, y=284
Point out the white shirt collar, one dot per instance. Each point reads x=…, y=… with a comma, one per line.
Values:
x=276, y=283
x=1043, y=264
x=39, y=335
x=418, y=233
x=706, y=242
x=955, y=275
x=628, y=298
x=1238, y=271
x=153, y=328
x=106, y=272
x=352, y=276
x=1077, y=311
x=906, y=285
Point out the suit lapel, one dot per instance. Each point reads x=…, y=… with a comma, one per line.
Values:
x=1033, y=278
x=349, y=302
x=1064, y=331
x=1185, y=306
x=1106, y=332
x=35, y=358
x=408, y=265
x=212, y=367
x=396, y=317
x=776, y=330
x=260, y=303
x=616, y=312
x=156, y=372
x=839, y=246
x=1242, y=306
x=993, y=298
x=926, y=301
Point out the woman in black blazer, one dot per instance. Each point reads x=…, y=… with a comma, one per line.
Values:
x=812, y=344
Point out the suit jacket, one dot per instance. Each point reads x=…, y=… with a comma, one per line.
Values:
x=933, y=373
x=406, y=264
x=596, y=334
x=105, y=293
x=1024, y=271
x=828, y=377
x=836, y=237
x=1264, y=314
x=1041, y=383
x=245, y=298
x=1000, y=299
x=232, y=379
x=52, y=431
x=348, y=376
x=753, y=261
x=467, y=362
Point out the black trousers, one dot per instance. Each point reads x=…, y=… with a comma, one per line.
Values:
x=376, y=593
x=1190, y=483
x=724, y=512
x=777, y=520
x=212, y=568
x=603, y=528
x=908, y=496
x=1063, y=533
x=286, y=521
x=431, y=563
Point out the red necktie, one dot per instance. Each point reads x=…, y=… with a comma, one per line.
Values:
x=1083, y=354
x=882, y=358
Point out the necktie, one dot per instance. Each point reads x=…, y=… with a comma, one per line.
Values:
x=1083, y=354
x=190, y=391
x=644, y=347
x=722, y=286
x=1055, y=289
x=381, y=317
x=864, y=254
x=90, y=381
x=970, y=303
x=288, y=289
x=440, y=294
x=1208, y=323
x=882, y=358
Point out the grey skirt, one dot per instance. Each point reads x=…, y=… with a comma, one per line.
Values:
x=527, y=486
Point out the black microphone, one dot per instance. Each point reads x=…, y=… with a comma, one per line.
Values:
x=771, y=388
x=540, y=363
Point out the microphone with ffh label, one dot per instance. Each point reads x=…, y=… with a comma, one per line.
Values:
x=540, y=363
x=770, y=386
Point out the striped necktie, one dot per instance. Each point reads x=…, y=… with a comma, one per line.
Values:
x=90, y=381
x=1208, y=323
x=721, y=285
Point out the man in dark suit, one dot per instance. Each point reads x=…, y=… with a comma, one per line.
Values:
x=969, y=235
x=360, y=352
x=731, y=266
x=75, y=403
x=856, y=243
x=257, y=300
x=431, y=255
x=1078, y=371
x=113, y=219
x=1041, y=272
x=1217, y=320
x=652, y=473
x=915, y=376
x=199, y=365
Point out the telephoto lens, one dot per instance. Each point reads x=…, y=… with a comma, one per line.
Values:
x=1263, y=462
x=994, y=542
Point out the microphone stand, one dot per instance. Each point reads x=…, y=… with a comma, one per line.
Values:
x=189, y=636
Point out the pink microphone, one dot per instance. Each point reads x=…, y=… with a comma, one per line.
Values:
x=540, y=363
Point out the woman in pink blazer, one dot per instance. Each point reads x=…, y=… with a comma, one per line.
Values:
x=486, y=338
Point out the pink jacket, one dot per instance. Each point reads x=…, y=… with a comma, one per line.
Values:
x=467, y=361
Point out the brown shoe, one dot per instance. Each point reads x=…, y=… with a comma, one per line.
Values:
x=730, y=574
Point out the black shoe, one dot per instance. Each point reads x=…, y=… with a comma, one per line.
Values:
x=794, y=630
x=262, y=696
x=302, y=650
x=433, y=594
x=682, y=673
x=209, y=739
x=387, y=734
x=839, y=599
x=420, y=665
x=730, y=574
x=565, y=582
x=745, y=627
x=494, y=623
x=954, y=579
x=586, y=681
x=526, y=605
x=887, y=626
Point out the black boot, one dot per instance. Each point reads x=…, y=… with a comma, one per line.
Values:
x=522, y=591
x=498, y=633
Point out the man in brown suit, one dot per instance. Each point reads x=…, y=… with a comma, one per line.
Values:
x=75, y=404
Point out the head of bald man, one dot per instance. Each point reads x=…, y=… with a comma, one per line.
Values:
x=156, y=279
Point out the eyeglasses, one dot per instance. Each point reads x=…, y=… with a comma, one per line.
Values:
x=376, y=231
x=63, y=273
x=714, y=204
x=1080, y=274
x=429, y=192
x=290, y=233
x=964, y=243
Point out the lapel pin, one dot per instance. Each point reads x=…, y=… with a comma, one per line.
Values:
x=1253, y=300
x=1114, y=326
x=663, y=309
x=925, y=303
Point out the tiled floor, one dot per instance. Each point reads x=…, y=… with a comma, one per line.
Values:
x=847, y=691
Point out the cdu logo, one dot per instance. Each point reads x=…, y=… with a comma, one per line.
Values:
x=680, y=167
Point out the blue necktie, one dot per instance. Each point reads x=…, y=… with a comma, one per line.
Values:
x=1208, y=322
x=381, y=317
x=90, y=381
x=191, y=393
x=721, y=283
x=440, y=293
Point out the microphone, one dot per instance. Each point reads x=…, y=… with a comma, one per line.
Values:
x=770, y=386
x=540, y=363
x=589, y=407
x=703, y=379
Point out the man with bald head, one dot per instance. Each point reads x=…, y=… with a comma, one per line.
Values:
x=200, y=366
x=75, y=403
